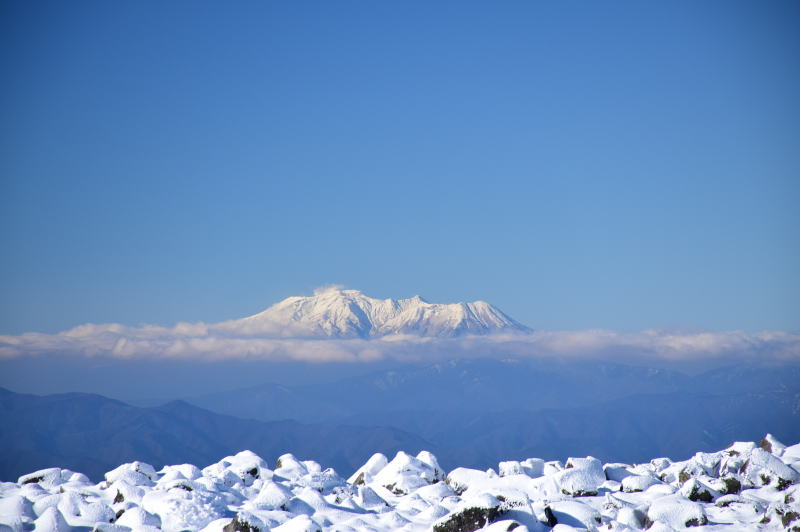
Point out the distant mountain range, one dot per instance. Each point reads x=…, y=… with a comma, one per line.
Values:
x=470, y=412
x=476, y=385
x=91, y=433
x=491, y=385
x=479, y=409
x=335, y=312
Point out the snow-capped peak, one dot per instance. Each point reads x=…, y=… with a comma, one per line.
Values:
x=336, y=312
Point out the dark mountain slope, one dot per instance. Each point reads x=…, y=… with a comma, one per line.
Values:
x=92, y=434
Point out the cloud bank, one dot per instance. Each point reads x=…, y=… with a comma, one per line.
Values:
x=216, y=342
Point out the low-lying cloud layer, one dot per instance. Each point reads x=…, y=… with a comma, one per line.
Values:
x=214, y=342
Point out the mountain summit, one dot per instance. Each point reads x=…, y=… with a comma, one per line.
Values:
x=335, y=312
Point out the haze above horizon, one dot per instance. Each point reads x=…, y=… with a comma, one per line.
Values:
x=623, y=166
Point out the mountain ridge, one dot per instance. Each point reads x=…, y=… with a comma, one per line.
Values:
x=92, y=432
x=336, y=312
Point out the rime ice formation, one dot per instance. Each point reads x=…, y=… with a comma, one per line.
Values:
x=747, y=486
x=335, y=312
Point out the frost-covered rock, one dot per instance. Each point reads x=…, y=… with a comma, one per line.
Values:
x=763, y=468
x=16, y=505
x=406, y=473
x=245, y=522
x=697, y=490
x=634, y=483
x=511, y=467
x=791, y=454
x=47, y=478
x=462, y=478
x=471, y=514
x=181, y=510
x=135, y=474
x=369, y=499
x=51, y=520
x=137, y=517
x=631, y=517
x=187, y=471
x=437, y=473
x=324, y=481
x=367, y=472
x=533, y=467
x=748, y=486
x=272, y=496
x=770, y=444
x=677, y=512
x=617, y=472
x=575, y=514
x=301, y=523
x=582, y=477
x=553, y=466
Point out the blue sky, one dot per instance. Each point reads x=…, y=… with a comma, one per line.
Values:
x=579, y=164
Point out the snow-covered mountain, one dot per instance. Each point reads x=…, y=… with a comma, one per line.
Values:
x=335, y=312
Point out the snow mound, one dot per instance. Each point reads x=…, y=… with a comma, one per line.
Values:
x=748, y=486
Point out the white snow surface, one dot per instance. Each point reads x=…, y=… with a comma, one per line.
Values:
x=335, y=312
x=744, y=487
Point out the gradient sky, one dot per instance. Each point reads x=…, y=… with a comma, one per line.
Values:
x=579, y=164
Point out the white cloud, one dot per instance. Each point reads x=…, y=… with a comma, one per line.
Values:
x=199, y=341
x=328, y=288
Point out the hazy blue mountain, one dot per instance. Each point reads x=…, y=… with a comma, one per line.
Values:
x=92, y=434
x=471, y=413
x=481, y=410
x=627, y=430
x=483, y=385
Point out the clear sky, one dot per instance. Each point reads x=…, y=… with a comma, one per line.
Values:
x=579, y=164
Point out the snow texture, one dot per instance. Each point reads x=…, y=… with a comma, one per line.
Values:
x=747, y=486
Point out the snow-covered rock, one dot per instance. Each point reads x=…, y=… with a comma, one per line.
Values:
x=135, y=474
x=462, y=478
x=747, y=486
x=367, y=472
x=137, y=517
x=51, y=521
x=634, y=483
x=582, y=477
x=677, y=512
x=576, y=514
x=406, y=473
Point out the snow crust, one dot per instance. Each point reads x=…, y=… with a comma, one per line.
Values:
x=747, y=486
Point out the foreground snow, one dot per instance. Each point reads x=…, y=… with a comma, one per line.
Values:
x=745, y=487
